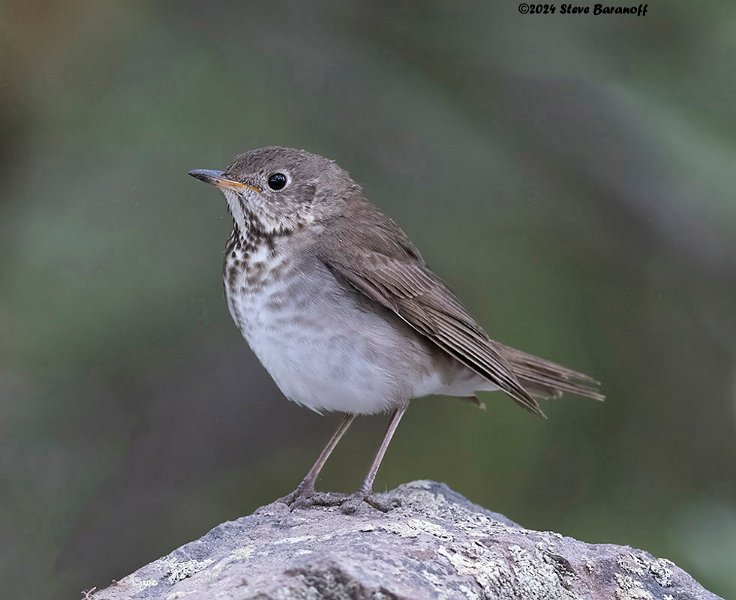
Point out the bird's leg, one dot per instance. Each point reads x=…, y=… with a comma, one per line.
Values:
x=350, y=503
x=306, y=488
x=366, y=489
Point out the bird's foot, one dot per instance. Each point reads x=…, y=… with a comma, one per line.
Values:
x=299, y=496
x=324, y=499
x=349, y=503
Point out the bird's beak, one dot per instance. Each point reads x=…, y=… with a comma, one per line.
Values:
x=218, y=179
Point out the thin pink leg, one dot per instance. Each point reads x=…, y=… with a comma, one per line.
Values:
x=306, y=487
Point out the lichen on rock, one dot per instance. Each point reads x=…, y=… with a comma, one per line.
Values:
x=436, y=544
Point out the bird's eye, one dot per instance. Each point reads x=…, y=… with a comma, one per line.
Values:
x=277, y=181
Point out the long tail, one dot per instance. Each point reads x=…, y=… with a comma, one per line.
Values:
x=546, y=379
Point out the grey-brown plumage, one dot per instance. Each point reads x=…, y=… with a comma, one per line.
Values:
x=343, y=311
x=379, y=260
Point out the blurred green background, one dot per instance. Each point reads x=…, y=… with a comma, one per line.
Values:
x=572, y=178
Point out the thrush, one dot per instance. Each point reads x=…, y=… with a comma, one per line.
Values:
x=343, y=312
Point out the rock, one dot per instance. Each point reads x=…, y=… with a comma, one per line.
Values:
x=436, y=544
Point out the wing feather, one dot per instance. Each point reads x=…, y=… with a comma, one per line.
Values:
x=372, y=254
x=412, y=292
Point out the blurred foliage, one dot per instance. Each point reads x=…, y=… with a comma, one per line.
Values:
x=571, y=178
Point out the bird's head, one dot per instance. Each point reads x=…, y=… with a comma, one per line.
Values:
x=276, y=189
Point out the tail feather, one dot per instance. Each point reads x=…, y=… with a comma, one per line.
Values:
x=546, y=379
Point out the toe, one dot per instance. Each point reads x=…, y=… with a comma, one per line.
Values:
x=297, y=496
x=383, y=505
x=325, y=499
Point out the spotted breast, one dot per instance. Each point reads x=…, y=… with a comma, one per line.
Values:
x=321, y=343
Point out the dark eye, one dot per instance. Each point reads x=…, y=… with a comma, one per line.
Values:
x=277, y=181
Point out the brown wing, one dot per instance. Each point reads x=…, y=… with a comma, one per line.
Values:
x=402, y=283
x=380, y=261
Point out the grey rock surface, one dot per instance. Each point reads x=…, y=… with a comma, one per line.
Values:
x=436, y=544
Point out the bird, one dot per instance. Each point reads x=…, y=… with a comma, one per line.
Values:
x=344, y=313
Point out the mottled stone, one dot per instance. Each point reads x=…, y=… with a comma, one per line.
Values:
x=436, y=544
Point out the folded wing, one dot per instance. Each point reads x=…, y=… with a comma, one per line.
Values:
x=382, y=264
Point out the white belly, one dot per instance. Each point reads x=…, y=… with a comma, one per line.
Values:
x=325, y=350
